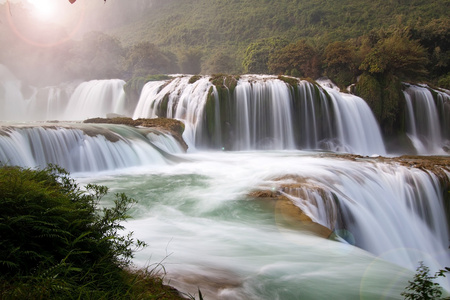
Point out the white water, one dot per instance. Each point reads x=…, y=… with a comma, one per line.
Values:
x=96, y=98
x=261, y=115
x=84, y=148
x=427, y=126
x=357, y=129
x=184, y=102
x=194, y=210
x=69, y=101
x=199, y=221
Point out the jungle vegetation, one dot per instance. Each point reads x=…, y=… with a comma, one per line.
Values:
x=57, y=243
x=212, y=36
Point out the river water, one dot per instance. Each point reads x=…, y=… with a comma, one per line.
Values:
x=208, y=233
x=196, y=211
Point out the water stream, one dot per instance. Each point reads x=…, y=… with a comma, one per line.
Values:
x=195, y=209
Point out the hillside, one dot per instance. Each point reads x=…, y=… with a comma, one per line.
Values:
x=231, y=25
x=136, y=38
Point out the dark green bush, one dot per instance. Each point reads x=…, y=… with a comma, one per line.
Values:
x=423, y=286
x=55, y=241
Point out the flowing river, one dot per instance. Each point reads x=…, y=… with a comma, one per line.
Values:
x=208, y=233
x=298, y=147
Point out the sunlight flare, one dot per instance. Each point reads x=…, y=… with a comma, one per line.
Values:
x=44, y=9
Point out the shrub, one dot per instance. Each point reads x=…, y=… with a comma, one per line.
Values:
x=55, y=241
x=423, y=287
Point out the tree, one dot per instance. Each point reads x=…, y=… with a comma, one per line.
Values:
x=146, y=58
x=423, y=287
x=435, y=37
x=219, y=62
x=397, y=55
x=340, y=62
x=394, y=58
x=97, y=56
x=298, y=57
x=190, y=61
x=257, y=55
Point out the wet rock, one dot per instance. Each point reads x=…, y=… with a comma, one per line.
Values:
x=172, y=126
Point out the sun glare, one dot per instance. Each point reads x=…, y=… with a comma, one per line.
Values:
x=44, y=9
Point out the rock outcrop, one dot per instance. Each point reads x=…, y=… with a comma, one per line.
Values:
x=172, y=126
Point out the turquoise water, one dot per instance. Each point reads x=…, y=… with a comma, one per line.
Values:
x=206, y=232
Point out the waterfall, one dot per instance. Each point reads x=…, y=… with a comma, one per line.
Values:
x=177, y=99
x=264, y=117
x=428, y=119
x=263, y=112
x=392, y=211
x=49, y=103
x=356, y=128
x=84, y=148
x=96, y=98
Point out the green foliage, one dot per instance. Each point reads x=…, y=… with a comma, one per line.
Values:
x=146, y=58
x=223, y=81
x=397, y=55
x=190, y=61
x=340, y=62
x=97, y=56
x=384, y=96
x=194, y=79
x=434, y=36
x=57, y=244
x=289, y=80
x=220, y=62
x=444, y=82
x=423, y=287
x=238, y=26
x=408, y=39
x=256, y=57
x=299, y=56
x=370, y=90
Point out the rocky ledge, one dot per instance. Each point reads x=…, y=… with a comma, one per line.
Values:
x=172, y=126
x=290, y=215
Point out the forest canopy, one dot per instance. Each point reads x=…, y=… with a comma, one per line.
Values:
x=301, y=38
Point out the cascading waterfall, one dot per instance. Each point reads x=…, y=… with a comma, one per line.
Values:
x=49, y=103
x=96, y=98
x=84, y=148
x=356, y=128
x=428, y=119
x=200, y=213
x=388, y=210
x=394, y=212
x=177, y=99
x=263, y=116
x=263, y=112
